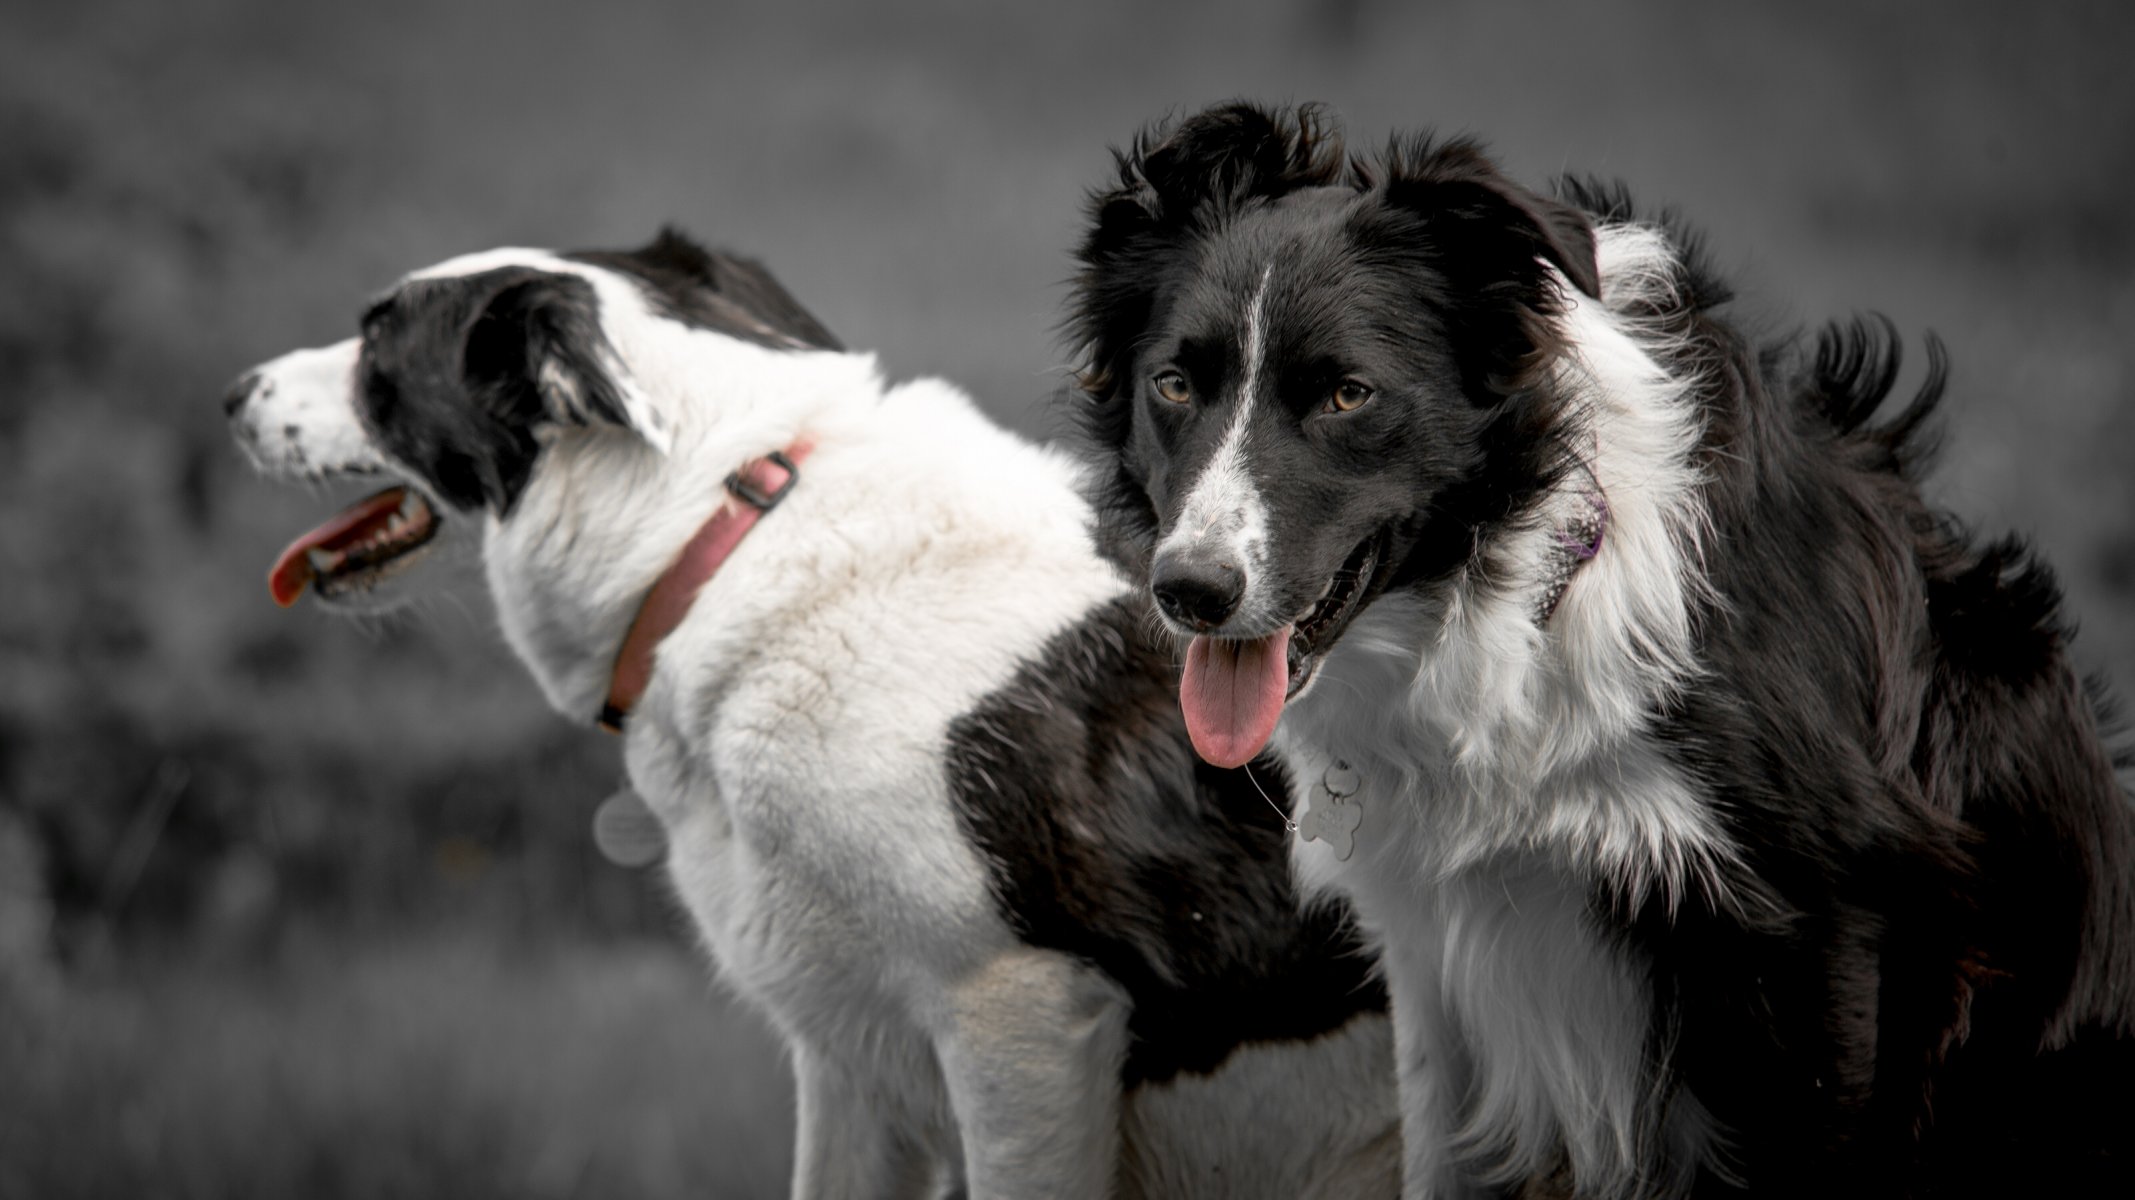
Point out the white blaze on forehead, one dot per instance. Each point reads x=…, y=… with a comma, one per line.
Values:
x=1224, y=514
x=1252, y=338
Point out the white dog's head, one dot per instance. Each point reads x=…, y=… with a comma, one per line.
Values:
x=469, y=372
x=587, y=406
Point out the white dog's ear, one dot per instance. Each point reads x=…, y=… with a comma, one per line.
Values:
x=460, y=374
x=541, y=338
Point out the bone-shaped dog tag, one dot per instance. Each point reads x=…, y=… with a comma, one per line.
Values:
x=1332, y=821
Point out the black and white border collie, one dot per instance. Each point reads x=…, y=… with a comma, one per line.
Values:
x=915, y=750
x=1725, y=817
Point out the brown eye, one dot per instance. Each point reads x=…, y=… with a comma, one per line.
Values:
x=1172, y=386
x=1348, y=396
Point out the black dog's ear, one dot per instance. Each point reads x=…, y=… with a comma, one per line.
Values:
x=459, y=374
x=1489, y=226
x=1211, y=164
x=1485, y=241
x=1173, y=181
x=536, y=352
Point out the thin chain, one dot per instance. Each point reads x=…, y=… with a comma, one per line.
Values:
x=1287, y=823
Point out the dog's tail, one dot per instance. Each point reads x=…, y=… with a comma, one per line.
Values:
x=1856, y=368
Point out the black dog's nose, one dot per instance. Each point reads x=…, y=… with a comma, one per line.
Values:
x=1196, y=591
x=239, y=392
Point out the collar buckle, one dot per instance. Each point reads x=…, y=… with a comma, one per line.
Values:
x=669, y=600
x=752, y=493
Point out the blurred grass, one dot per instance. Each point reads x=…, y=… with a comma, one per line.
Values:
x=188, y=189
x=433, y=1066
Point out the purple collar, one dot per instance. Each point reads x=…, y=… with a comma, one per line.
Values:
x=1577, y=541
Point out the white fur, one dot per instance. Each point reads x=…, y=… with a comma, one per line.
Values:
x=1507, y=764
x=791, y=742
x=1225, y=518
x=300, y=421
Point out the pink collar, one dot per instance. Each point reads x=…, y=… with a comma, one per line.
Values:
x=758, y=487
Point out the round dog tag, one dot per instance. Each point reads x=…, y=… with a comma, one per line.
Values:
x=1341, y=779
x=627, y=832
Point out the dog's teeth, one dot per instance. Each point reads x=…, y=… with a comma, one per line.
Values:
x=1326, y=590
x=408, y=506
x=320, y=560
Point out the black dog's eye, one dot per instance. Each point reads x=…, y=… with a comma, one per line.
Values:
x=1348, y=396
x=1172, y=386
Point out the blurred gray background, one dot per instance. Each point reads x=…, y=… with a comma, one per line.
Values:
x=296, y=906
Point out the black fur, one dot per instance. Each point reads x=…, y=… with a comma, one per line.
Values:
x=447, y=376
x=458, y=372
x=715, y=290
x=1108, y=839
x=1920, y=980
x=1891, y=730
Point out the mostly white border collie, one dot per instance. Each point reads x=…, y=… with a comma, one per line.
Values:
x=923, y=779
x=1725, y=817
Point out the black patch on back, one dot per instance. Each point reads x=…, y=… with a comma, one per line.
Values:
x=715, y=290
x=1109, y=839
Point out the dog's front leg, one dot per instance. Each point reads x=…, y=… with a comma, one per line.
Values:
x=848, y=1143
x=1031, y=1047
x=1432, y=1069
x=1431, y=1074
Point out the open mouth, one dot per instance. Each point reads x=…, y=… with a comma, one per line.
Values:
x=1314, y=633
x=364, y=544
x=1234, y=689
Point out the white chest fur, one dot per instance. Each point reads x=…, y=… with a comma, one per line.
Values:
x=1520, y=1032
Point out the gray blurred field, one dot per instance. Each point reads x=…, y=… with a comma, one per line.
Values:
x=294, y=906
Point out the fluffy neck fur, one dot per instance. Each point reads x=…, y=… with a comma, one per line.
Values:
x=1526, y=736
x=611, y=508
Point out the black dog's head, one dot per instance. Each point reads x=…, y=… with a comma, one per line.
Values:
x=1316, y=376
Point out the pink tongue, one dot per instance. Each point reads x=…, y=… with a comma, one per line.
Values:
x=1232, y=695
x=292, y=570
